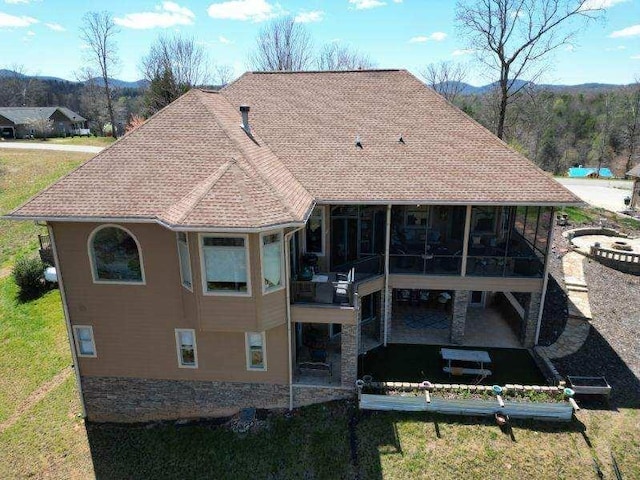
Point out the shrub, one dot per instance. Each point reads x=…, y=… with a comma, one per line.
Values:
x=28, y=274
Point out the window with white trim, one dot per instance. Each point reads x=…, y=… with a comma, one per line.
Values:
x=272, y=261
x=185, y=261
x=256, y=351
x=225, y=262
x=115, y=256
x=186, y=348
x=83, y=338
x=314, y=232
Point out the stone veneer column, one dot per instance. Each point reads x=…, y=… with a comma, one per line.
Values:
x=531, y=312
x=349, y=355
x=459, y=315
x=387, y=313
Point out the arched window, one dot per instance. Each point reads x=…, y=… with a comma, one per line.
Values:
x=115, y=256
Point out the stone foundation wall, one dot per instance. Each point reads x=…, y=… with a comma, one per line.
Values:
x=126, y=400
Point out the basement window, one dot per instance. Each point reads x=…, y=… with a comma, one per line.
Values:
x=186, y=348
x=83, y=338
x=256, y=351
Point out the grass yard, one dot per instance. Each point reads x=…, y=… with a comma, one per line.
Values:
x=23, y=173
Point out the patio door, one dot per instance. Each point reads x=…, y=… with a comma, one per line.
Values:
x=344, y=235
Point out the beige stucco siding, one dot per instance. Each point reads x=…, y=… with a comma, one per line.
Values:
x=134, y=324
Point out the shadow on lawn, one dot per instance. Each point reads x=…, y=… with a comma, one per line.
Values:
x=596, y=357
x=378, y=434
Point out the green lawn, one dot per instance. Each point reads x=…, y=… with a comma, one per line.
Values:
x=23, y=173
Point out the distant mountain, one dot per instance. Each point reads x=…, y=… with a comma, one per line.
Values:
x=467, y=89
x=139, y=84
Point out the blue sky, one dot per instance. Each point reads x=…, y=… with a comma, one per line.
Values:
x=43, y=35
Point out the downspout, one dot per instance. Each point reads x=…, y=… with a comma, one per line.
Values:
x=287, y=275
x=386, y=276
x=65, y=309
x=545, y=280
x=465, y=244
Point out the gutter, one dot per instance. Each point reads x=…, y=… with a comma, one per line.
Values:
x=65, y=309
x=287, y=263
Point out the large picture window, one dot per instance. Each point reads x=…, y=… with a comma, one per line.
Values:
x=225, y=264
x=256, y=351
x=314, y=232
x=115, y=256
x=185, y=261
x=272, y=261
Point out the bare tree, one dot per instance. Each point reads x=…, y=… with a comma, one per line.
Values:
x=631, y=122
x=340, y=57
x=222, y=74
x=98, y=31
x=511, y=37
x=186, y=59
x=43, y=126
x=446, y=78
x=172, y=67
x=282, y=45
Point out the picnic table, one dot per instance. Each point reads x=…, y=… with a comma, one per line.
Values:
x=477, y=357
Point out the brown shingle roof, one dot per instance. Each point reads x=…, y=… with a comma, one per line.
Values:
x=191, y=165
x=311, y=121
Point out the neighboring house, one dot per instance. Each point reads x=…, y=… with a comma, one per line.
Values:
x=589, y=172
x=23, y=122
x=635, y=196
x=293, y=222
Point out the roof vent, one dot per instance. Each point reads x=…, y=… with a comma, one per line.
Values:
x=400, y=139
x=358, y=142
x=244, y=110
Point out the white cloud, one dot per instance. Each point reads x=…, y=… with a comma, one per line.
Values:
x=16, y=1
x=309, y=17
x=635, y=57
x=252, y=10
x=366, y=4
x=31, y=33
x=435, y=36
x=459, y=53
x=12, y=21
x=632, y=31
x=598, y=4
x=169, y=14
x=570, y=48
x=56, y=27
x=224, y=40
x=613, y=49
x=397, y=1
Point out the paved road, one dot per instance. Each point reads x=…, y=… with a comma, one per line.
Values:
x=51, y=146
x=607, y=194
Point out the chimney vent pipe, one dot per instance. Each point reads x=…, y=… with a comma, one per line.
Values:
x=244, y=110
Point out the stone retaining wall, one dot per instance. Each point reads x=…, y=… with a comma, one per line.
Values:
x=119, y=399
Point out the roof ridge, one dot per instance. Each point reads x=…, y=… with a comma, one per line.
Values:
x=270, y=186
x=197, y=193
x=294, y=72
